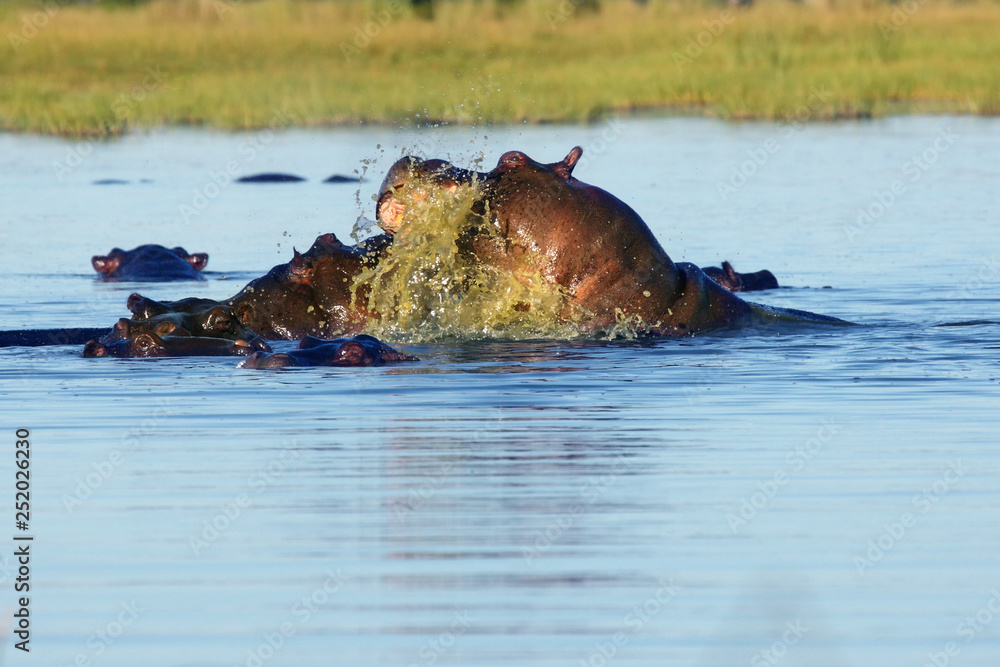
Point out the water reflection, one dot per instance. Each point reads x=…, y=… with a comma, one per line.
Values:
x=533, y=502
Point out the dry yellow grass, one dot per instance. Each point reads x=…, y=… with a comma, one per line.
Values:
x=82, y=70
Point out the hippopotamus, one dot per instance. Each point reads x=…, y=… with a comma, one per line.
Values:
x=741, y=282
x=149, y=263
x=151, y=345
x=270, y=177
x=607, y=265
x=312, y=294
x=361, y=350
x=580, y=238
x=196, y=317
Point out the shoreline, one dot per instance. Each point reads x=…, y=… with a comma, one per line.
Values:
x=88, y=71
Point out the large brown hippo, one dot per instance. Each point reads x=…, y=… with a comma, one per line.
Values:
x=359, y=350
x=580, y=238
x=150, y=263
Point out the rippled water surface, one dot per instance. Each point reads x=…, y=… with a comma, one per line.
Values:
x=794, y=496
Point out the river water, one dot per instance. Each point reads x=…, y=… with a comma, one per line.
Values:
x=793, y=496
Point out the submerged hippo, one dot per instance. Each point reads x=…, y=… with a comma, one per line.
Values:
x=741, y=282
x=580, y=238
x=150, y=263
x=203, y=318
x=361, y=350
x=152, y=345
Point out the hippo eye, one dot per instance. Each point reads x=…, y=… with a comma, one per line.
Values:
x=145, y=342
x=513, y=158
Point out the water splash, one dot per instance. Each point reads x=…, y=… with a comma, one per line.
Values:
x=430, y=286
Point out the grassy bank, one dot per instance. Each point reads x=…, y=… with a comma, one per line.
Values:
x=84, y=70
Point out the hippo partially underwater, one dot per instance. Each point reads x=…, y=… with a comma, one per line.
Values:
x=540, y=220
x=361, y=350
x=150, y=263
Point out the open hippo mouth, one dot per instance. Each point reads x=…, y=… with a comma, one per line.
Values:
x=415, y=179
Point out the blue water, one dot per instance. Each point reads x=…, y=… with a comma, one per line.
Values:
x=810, y=496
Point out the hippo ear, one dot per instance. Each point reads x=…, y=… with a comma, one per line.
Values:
x=121, y=329
x=565, y=168
x=133, y=300
x=105, y=264
x=730, y=272
x=260, y=344
x=298, y=269
x=168, y=328
x=329, y=239
x=198, y=260
x=244, y=313
x=95, y=349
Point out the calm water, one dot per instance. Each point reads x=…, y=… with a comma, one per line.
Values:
x=788, y=496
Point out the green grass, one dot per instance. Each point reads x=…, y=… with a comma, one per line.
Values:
x=232, y=64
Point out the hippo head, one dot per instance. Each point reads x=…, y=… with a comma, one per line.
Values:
x=151, y=345
x=187, y=317
x=150, y=262
x=309, y=294
x=575, y=235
